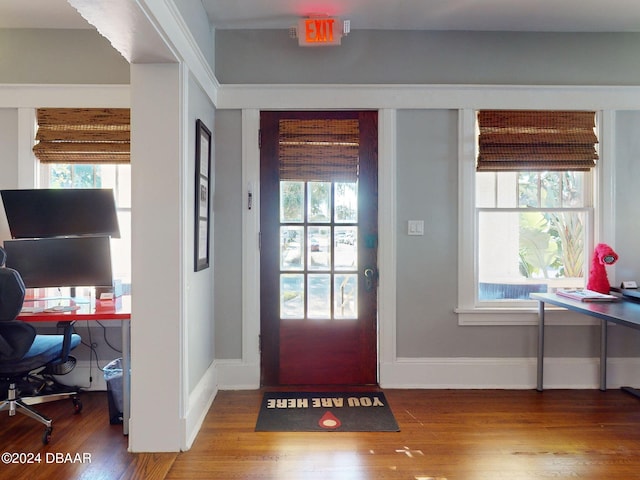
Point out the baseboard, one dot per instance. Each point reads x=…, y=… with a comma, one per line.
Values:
x=445, y=373
x=236, y=375
x=199, y=402
x=506, y=373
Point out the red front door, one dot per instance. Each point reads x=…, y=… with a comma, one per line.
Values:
x=318, y=248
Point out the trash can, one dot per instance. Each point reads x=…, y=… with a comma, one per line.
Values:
x=113, y=376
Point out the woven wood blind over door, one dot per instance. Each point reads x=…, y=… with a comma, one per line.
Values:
x=83, y=135
x=536, y=140
x=322, y=150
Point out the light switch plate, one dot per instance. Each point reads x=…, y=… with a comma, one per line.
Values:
x=416, y=227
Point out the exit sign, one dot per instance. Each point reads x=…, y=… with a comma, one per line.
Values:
x=319, y=32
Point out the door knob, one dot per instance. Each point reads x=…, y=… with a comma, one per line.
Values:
x=370, y=278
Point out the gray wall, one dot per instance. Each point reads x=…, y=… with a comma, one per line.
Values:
x=427, y=188
x=427, y=174
x=227, y=205
x=427, y=182
x=270, y=56
x=44, y=56
x=200, y=317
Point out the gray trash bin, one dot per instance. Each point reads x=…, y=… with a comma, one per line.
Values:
x=113, y=376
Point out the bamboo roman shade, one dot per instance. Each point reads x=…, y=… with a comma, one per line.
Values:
x=83, y=135
x=536, y=140
x=323, y=150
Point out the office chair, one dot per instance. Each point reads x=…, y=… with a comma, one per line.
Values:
x=24, y=353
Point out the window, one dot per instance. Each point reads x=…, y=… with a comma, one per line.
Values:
x=532, y=232
x=89, y=148
x=116, y=177
x=527, y=224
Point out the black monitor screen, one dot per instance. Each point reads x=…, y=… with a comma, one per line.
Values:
x=58, y=212
x=61, y=262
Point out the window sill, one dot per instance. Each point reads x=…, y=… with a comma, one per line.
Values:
x=525, y=316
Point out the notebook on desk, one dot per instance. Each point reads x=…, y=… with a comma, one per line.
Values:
x=584, y=295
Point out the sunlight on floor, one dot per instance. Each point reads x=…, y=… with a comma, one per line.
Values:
x=334, y=465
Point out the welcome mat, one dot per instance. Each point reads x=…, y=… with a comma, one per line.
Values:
x=325, y=411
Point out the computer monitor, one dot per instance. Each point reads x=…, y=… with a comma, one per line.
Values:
x=62, y=261
x=58, y=212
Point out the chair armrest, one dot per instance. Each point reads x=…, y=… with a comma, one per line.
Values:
x=67, y=330
x=16, y=338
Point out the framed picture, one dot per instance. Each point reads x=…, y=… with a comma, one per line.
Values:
x=203, y=195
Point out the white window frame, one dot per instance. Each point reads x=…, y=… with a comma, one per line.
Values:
x=519, y=312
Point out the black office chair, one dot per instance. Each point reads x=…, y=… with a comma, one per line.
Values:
x=27, y=359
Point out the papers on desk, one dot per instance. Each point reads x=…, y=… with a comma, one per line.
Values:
x=584, y=295
x=62, y=308
x=32, y=309
x=54, y=309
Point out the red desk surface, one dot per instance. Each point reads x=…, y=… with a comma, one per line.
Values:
x=46, y=310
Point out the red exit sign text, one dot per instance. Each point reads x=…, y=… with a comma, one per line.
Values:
x=318, y=32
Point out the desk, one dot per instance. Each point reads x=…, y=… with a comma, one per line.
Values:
x=623, y=312
x=92, y=310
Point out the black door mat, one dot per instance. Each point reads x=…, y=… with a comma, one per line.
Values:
x=325, y=411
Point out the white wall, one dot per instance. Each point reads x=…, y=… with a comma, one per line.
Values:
x=158, y=172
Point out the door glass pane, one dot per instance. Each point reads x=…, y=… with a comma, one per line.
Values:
x=291, y=295
x=346, y=202
x=292, y=202
x=291, y=248
x=345, y=248
x=345, y=294
x=319, y=241
x=319, y=296
x=319, y=202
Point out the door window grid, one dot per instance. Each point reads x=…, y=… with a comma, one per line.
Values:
x=318, y=259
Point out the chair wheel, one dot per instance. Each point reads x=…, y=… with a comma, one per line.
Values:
x=46, y=437
x=77, y=405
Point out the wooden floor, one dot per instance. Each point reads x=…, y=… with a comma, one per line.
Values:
x=445, y=434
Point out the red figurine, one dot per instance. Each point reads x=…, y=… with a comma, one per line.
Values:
x=602, y=255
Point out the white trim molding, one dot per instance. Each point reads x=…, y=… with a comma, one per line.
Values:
x=245, y=373
x=250, y=241
x=507, y=373
x=387, y=239
x=199, y=402
x=60, y=96
x=342, y=97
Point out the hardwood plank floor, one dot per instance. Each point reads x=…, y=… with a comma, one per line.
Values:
x=445, y=434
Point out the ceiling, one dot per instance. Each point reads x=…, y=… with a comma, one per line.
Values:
x=500, y=15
